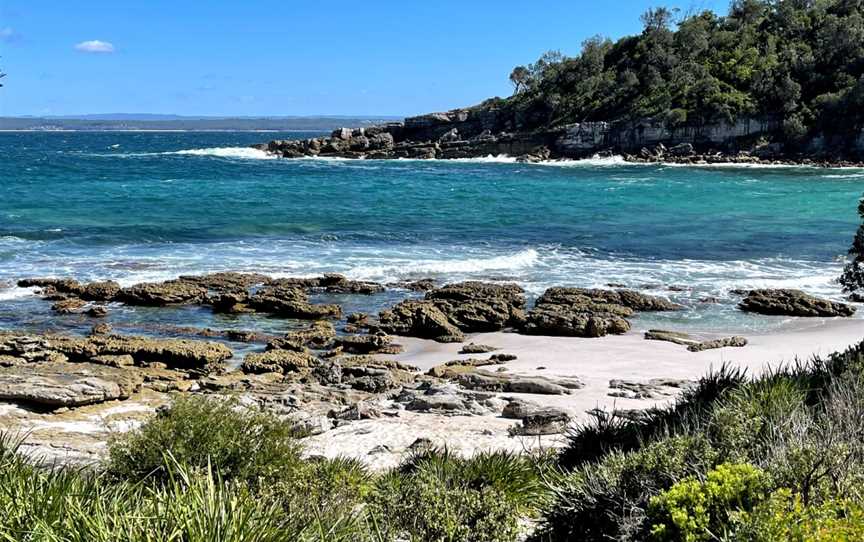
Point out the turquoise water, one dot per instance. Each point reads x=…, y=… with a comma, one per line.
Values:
x=150, y=206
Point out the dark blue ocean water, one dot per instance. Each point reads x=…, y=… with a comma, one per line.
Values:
x=148, y=206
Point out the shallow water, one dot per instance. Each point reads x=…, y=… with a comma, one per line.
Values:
x=150, y=206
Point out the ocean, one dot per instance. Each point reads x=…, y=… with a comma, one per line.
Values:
x=145, y=206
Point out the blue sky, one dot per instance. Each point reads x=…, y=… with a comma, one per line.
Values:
x=285, y=57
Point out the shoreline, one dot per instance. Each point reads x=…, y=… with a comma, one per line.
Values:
x=382, y=443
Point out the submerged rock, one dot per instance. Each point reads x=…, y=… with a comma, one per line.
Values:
x=291, y=301
x=319, y=335
x=792, y=303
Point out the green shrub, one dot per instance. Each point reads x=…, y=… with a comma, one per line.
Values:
x=607, y=500
x=785, y=518
x=742, y=424
x=198, y=432
x=608, y=433
x=437, y=496
x=697, y=511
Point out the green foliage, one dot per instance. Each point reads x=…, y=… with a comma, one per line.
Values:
x=239, y=443
x=799, y=64
x=801, y=424
x=437, y=496
x=607, y=500
x=785, y=518
x=700, y=511
x=853, y=273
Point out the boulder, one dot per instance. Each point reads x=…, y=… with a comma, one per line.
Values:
x=317, y=335
x=583, y=312
x=735, y=342
x=792, y=303
x=68, y=306
x=472, y=348
x=363, y=344
x=484, y=381
x=226, y=281
x=655, y=388
x=694, y=345
x=291, y=301
x=175, y=353
x=277, y=361
x=157, y=294
x=451, y=369
x=100, y=291
x=474, y=306
x=419, y=319
x=544, y=421
x=66, y=384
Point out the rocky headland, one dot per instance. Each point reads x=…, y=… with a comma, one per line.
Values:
x=493, y=129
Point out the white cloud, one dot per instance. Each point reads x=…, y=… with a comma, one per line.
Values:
x=8, y=35
x=95, y=46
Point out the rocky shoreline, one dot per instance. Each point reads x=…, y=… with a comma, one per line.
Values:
x=486, y=131
x=335, y=369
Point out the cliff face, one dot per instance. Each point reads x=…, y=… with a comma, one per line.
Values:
x=483, y=131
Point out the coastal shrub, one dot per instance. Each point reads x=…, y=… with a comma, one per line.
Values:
x=608, y=499
x=606, y=433
x=742, y=424
x=436, y=495
x=194, y=431
x=192, y=504
x=695, y=510
x=820, y=454
x=785, y=518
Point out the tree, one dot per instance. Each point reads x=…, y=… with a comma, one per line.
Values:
x=657, y=19
x=852, y=278
x=520, y=76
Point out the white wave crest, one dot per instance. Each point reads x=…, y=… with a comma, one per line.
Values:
x=15, y=292
x=247, y=153
x=395, y=269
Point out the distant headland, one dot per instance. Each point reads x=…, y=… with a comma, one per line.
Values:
x=763, y=83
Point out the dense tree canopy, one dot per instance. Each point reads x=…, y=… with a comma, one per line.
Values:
x=799, y=62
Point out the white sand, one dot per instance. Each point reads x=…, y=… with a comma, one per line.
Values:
x=594, y=361
x=80, y=434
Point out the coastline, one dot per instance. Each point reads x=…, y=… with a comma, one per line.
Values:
x=383, y=443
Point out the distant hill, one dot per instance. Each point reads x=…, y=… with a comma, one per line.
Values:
x=138, y=121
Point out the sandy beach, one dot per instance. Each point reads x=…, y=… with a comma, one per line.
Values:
x=593, y=361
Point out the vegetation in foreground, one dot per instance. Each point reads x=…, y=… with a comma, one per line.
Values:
x=776, y=458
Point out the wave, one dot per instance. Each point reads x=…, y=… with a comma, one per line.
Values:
x=246, y=153
x=404, y=268
x=9, y=294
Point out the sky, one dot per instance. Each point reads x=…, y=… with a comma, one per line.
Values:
x=270, y=58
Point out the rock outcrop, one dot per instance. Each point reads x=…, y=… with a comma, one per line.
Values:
x=792, y=303
x=694, y=345
x=62, y=384
x=200, y=356
x=446, y=313
x=581, y=312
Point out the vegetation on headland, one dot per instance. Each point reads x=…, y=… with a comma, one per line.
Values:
x=796, y=62
x=852, y=278
x=779, y=457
